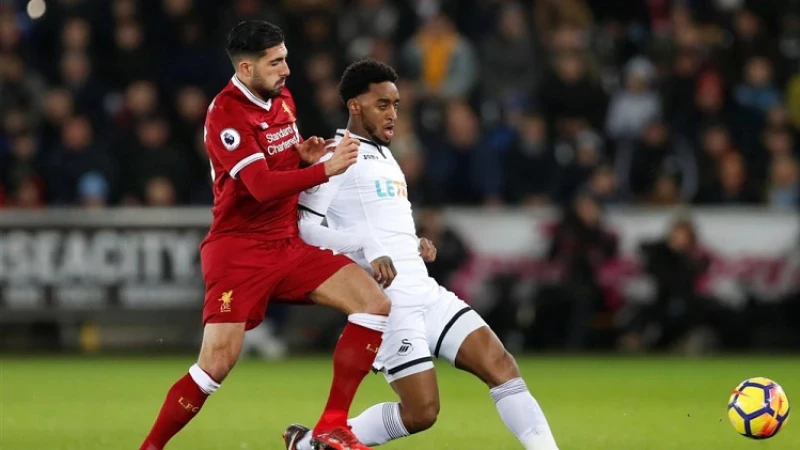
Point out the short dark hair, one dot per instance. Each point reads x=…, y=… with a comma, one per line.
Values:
x=361, y=74
x=252, y=37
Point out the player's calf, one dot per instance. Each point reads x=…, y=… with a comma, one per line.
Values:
x=483, y=355
x=419, y=401
x=222, y=343
x=352, y=291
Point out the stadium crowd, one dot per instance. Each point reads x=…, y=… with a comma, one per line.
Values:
x=504, y=102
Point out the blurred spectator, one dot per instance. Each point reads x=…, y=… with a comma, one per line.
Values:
x=451, y=251
x=676, y=266
x=579, y=247
x=603, y=186
x=87, y=92
x=571, y=98
x=20, y=171
x=758, y=94
x=93, y=190
x=549, y=15
x=76, y=155
x=19, y=87
x=732, y=186
x=159, y=191
x=132, y=60
x=441, y=60
x=363, y=22
x=452, y=160
x=715, y=144
x=76, y=36
x=141, y=99
x=793, y=100
x=58, y=108
x=530, y=163
x=784, y=184
x=637, y=105
x=152, y=156
x=508, y=58
x=656, y=153
x=577, y=160
x=665, y=192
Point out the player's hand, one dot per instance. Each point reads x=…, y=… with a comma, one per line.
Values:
x=427, y=250
x=312, y=149
x=384, y=271
x=344, y=155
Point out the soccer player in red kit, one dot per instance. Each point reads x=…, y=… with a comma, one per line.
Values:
x=253, y=252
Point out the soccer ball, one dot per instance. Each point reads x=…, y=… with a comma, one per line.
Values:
x=758, y=408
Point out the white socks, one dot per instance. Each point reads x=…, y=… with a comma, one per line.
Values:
x=522, y=415
x=520, y=412
x=377, y=425
x=203, y=380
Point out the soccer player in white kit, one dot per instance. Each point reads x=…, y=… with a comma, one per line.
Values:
x=369, y=217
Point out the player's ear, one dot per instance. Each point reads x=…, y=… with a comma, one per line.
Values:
x=353, y=107
x=245, y=67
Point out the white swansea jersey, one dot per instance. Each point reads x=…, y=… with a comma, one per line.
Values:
x=371, y=197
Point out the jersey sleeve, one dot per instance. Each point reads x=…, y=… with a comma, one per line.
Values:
x=230, y=138
x=317, y=199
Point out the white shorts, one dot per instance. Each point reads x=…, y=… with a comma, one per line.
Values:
x=426, y=321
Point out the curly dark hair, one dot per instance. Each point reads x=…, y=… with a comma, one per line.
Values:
x=252, y=37
x=358, y=76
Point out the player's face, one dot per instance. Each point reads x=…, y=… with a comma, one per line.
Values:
x=270, y=72
x=379, y=111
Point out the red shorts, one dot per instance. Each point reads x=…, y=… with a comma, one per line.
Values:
x=243, y=275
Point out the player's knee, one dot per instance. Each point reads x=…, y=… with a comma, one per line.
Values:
x=504, y=367
x=423, y=416
x=218, y=367
x=380, y=306
x=218, y=362
x=373, y=301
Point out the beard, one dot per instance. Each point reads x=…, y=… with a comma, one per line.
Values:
x=266, y=92
x=372, y=130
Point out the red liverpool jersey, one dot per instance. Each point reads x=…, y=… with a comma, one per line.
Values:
x=241, y=129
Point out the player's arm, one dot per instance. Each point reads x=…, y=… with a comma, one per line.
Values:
x=314, y=233
x=313, y=205
x=233, y=142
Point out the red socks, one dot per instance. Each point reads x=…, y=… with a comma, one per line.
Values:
x=352, y=361
x=183, y=402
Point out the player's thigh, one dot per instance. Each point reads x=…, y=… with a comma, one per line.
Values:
x=240, y=276
x=222, y=344
x=449, y=322
x=484, y=355
x=404, y=350
x=332, y=280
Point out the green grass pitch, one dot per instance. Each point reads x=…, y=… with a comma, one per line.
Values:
x=591, y=402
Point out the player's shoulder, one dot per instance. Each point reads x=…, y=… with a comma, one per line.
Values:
x=286, y=95
x=228, y=101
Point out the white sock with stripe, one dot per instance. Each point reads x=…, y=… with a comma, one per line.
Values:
x=377, y=425
x=522, y=415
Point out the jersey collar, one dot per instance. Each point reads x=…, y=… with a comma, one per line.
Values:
x=250, y=96
x=340, y=132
